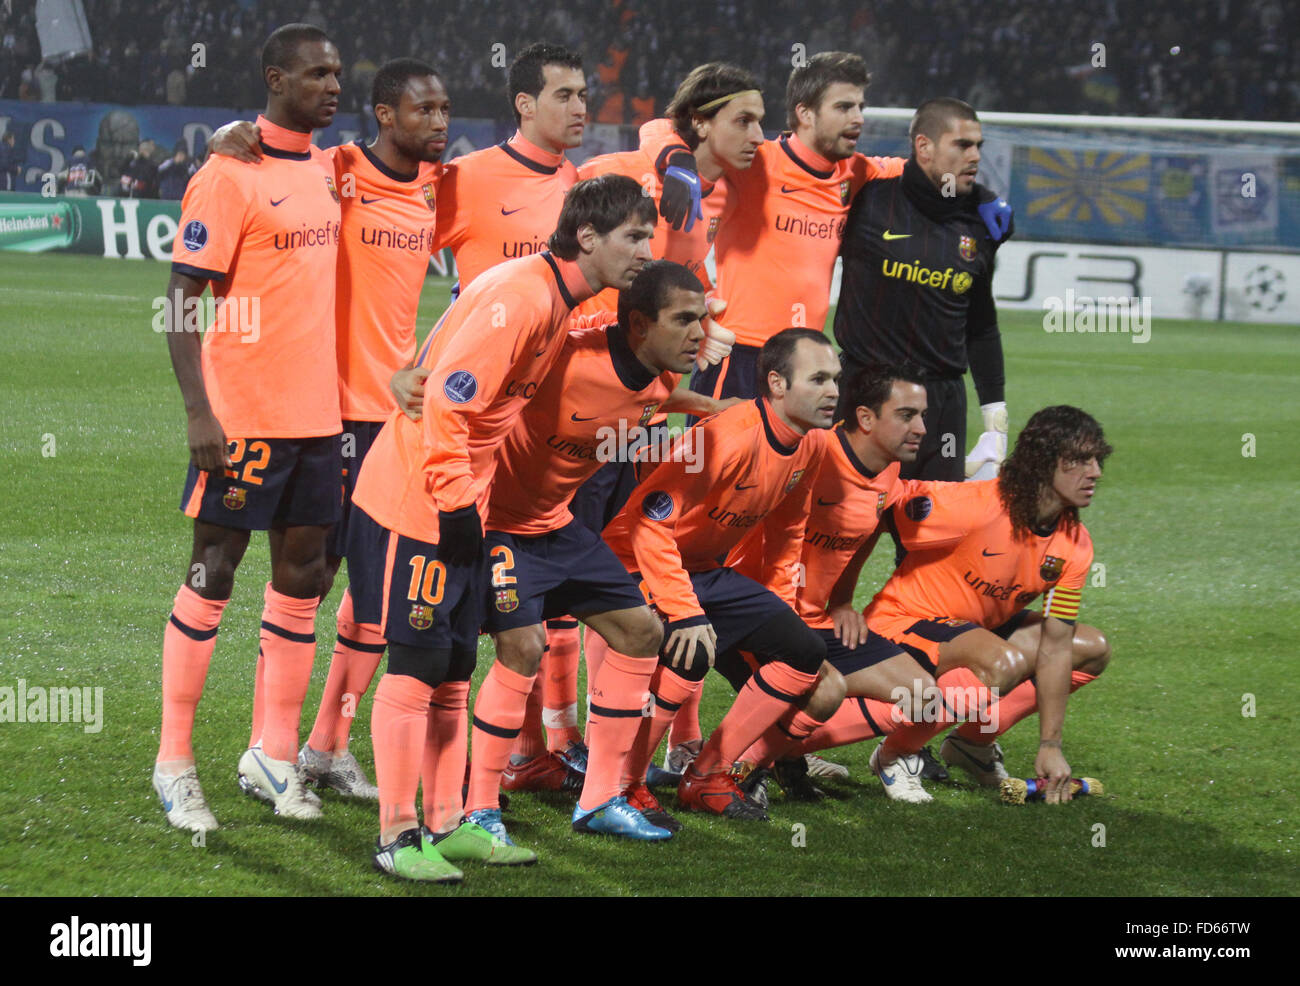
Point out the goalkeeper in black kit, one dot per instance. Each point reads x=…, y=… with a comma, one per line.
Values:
x=918, y=287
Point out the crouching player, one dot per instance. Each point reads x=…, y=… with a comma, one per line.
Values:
x=855, y=486
x=686, y=516
x=545, y=562
x=978, y=554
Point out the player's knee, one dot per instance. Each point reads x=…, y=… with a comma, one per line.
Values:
x=1094, y=652
x=521, y=650
x=1009, y=667
x=420, y=663
x=827, y=696
x=644, y=634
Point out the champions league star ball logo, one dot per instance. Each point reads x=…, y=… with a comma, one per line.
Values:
x=966, y=247
x=235, y=498
x=1051, y=568
x=507, y=600
x=428, y=196
x=421, y=617
x=1265, y=288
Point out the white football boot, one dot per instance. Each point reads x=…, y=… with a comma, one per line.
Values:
x=983, y=761
x=182, y=798
x=339, y=772
x=901, y=777
x=817, y=767
x=277, y=782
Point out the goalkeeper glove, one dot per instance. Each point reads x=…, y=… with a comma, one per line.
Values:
x=679, y=202
x=991, y=449
x=718, y=339
x=997, y=214
x=460, y=536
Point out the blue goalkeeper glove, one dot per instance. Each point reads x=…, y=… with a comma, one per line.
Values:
x=997, y=215
x=679, y=202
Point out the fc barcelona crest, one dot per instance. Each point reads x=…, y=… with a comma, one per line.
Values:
x=844, y=192
x=880, y=504
x=421, y=617
x=507, y=600
x=794, y=480
x=428, y=195
x=1051, y=568
x=966, y=247
x=647, y=413
x=329, y=183
x=235, y=498
x=713, y=229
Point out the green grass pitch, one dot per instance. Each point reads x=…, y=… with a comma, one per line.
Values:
x=1200, y=599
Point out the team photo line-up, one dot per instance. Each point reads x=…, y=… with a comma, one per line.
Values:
x=515, y=475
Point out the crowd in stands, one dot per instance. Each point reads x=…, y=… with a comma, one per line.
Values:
x=1223, y=59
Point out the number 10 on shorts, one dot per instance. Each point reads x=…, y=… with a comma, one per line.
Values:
x=428, y=580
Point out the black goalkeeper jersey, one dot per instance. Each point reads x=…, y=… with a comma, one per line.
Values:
x=917, y=282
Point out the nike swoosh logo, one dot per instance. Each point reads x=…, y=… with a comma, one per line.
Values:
x=279, y=787
x=366, y=201
x=574, y=417
x=167, y=805
x=274, y=203
x=787, y=191
x=511, y=212
x=825, y=503
x=889, y=781
x=895, y=236
x=990, y=554
x=740, y=488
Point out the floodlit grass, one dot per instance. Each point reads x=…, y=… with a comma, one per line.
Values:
x=1198, y=595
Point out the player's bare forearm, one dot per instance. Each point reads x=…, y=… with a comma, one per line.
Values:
x=207, y=441
x=1052, y=677
x=684, y=401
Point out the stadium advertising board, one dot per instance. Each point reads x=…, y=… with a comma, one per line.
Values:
x=1236, y=286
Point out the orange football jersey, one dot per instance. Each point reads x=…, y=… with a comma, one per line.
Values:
x=843, y=514
x=500, y=203
x=486, y=358
x=594, y=396
x=266, y=236
x=963, y=563
x=780, y=233
x=387, y=235
x=728, y=472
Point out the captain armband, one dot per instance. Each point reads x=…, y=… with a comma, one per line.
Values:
x=1062, y=603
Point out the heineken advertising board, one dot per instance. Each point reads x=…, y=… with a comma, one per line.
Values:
x=132, y=229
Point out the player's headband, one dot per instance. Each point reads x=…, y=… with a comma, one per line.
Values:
x=726, y=99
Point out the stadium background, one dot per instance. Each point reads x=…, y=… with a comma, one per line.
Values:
x=1192, y=528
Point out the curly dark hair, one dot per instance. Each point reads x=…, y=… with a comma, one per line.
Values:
x=1053, y=435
